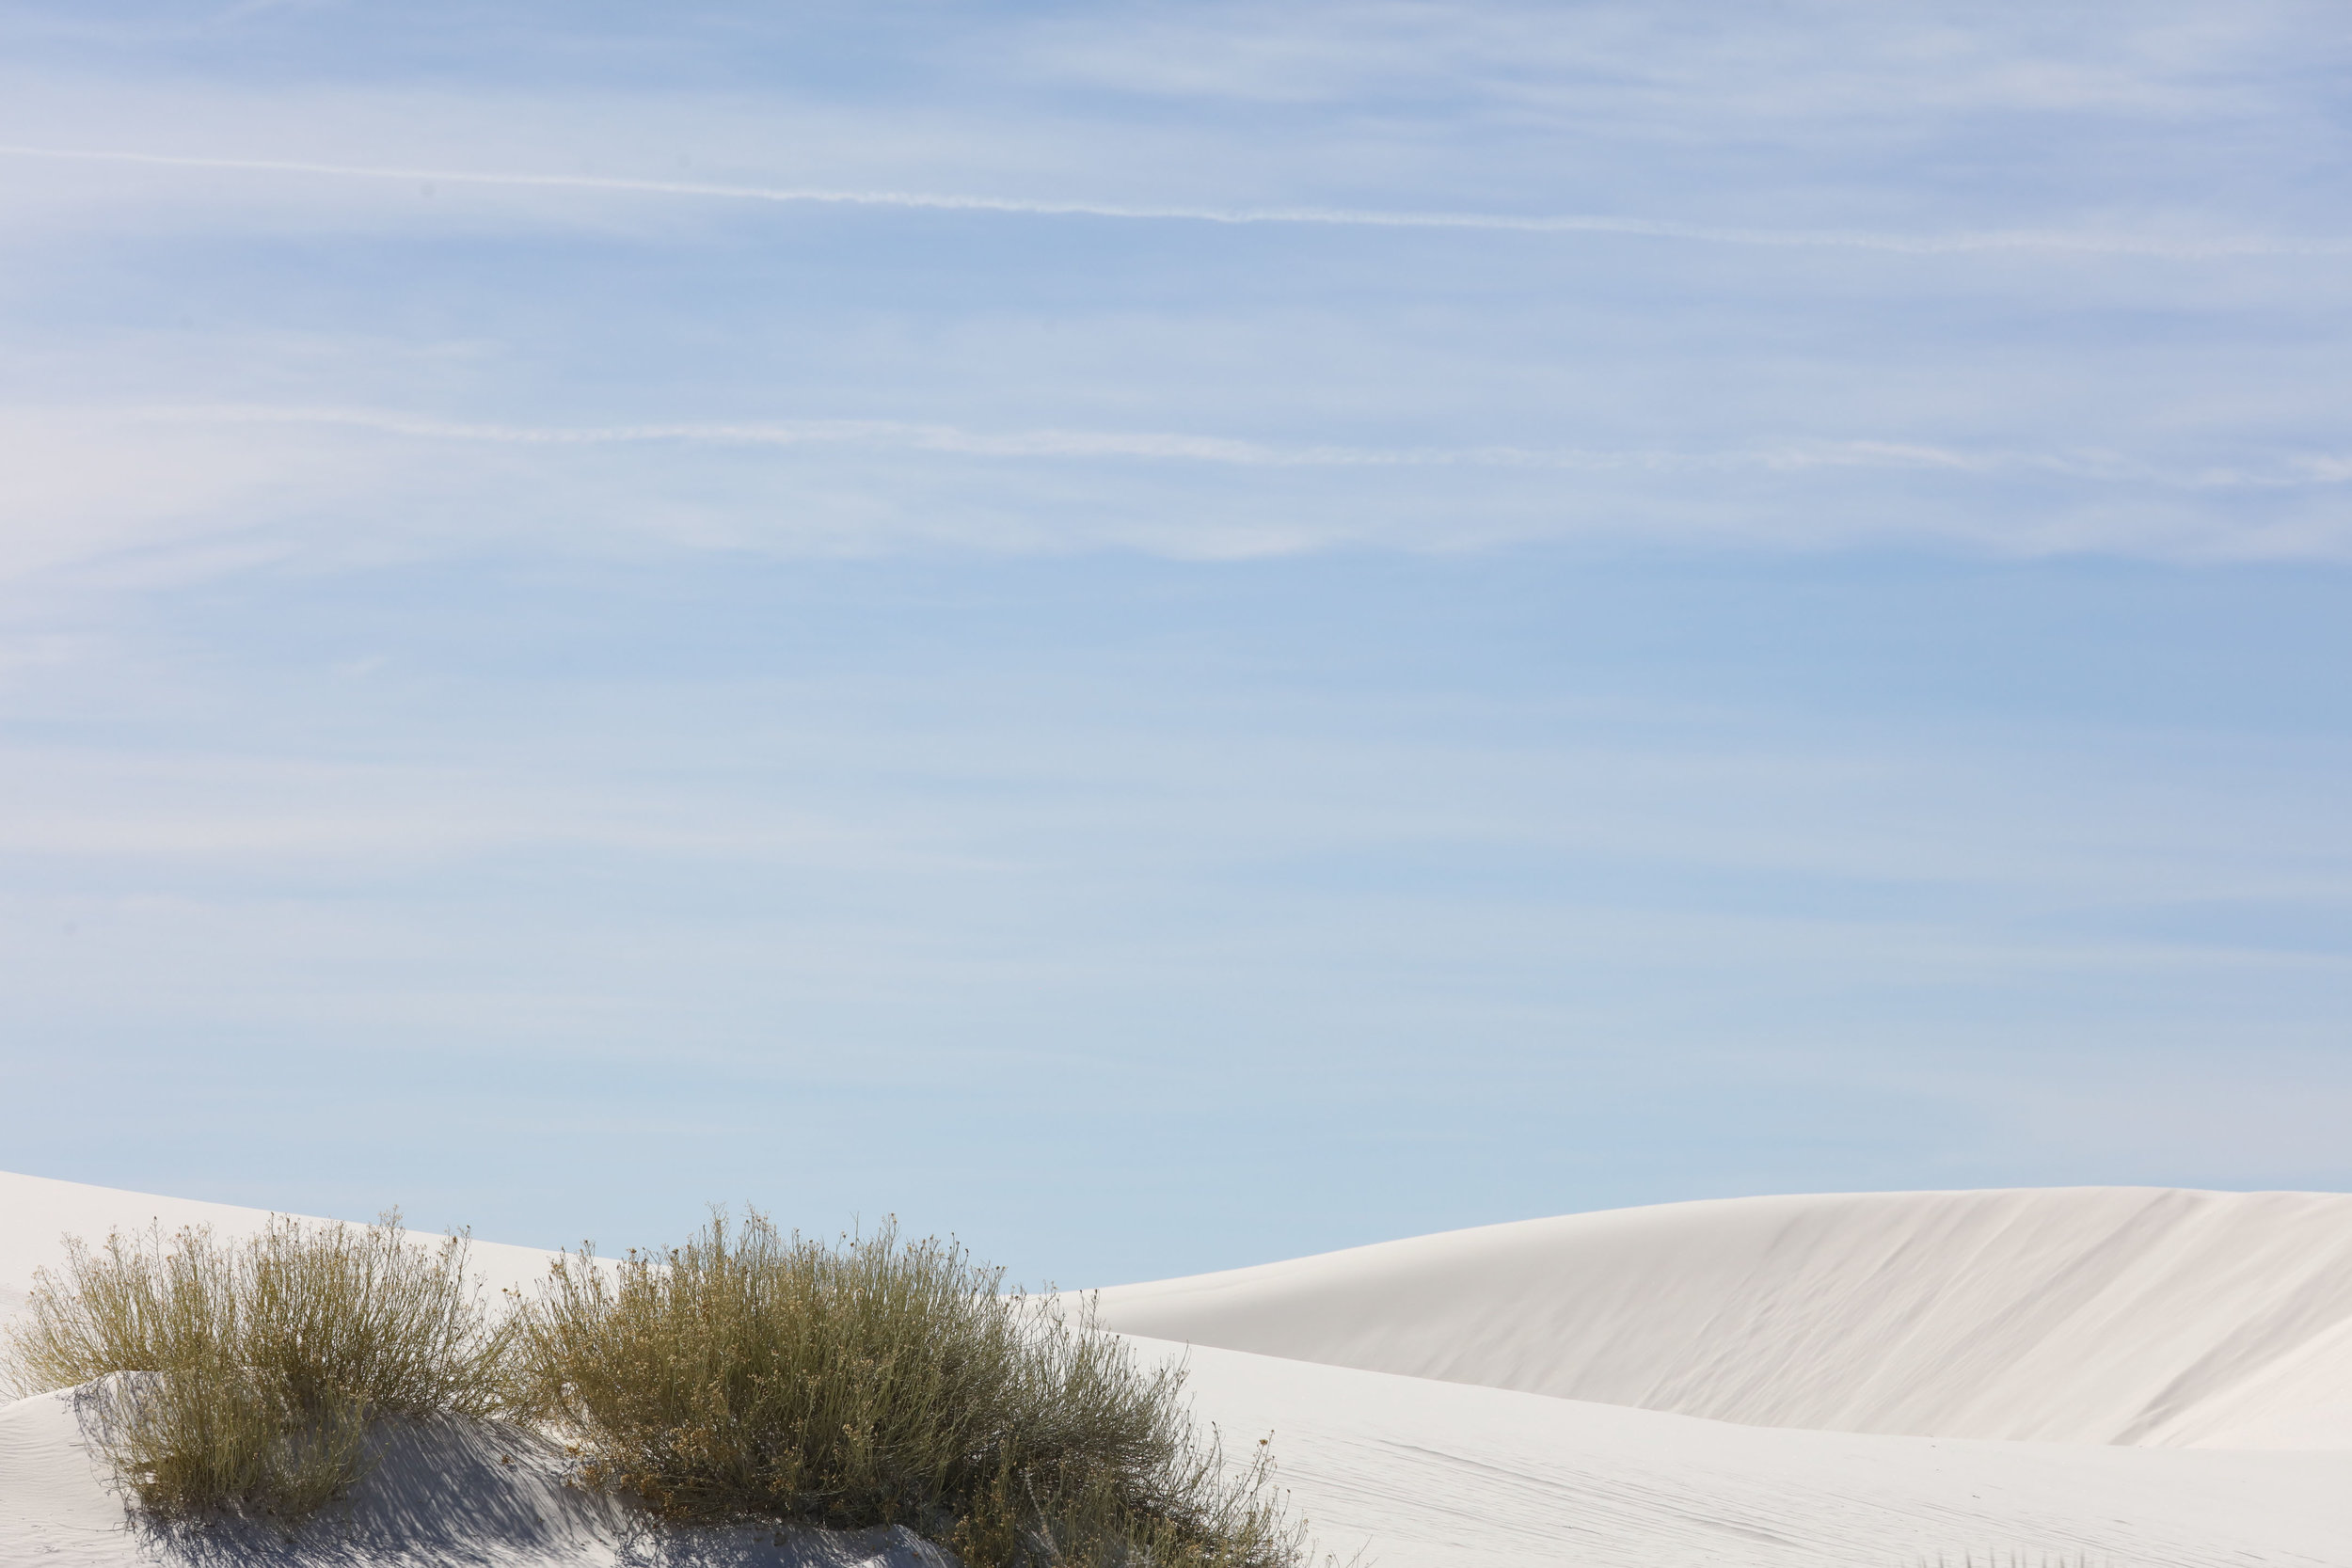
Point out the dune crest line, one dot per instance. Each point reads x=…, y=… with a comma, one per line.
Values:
x=2154, y=1378
x=2142, y=1316
x=1959, y=242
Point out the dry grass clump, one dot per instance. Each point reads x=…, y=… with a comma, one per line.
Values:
x=746, y=1375
x=255, y=1366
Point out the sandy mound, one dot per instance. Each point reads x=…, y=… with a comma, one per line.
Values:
x=2082, y=1315
x=36, y=1213
x=441, y=1492
x=2161, y=1318
x=1448, y=1475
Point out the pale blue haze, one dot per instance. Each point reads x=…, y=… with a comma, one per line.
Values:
x=1303, y=624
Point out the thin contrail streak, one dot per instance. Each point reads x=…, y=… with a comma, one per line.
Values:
x=2306, y=471
x=1050, y=443
x=1359, y=217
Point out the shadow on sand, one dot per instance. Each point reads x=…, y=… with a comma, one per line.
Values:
x=479, y=1495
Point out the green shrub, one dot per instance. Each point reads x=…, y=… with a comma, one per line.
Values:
x=253, y=1369
x=745, y=1375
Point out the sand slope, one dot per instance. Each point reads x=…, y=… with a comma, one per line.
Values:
x=2172, y=1317
x=1421, y=1474
x=2138, y=1315
x=37, y=1213
x=1447, y=1475
x=441, y=1493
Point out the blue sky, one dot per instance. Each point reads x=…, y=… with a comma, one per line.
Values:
x=1168, y=636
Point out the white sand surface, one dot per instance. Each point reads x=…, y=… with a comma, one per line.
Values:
x=440, y=1492
x=36, y=1213
x=1445, y=1475
x=2180, y=1356
x=2134, y=1315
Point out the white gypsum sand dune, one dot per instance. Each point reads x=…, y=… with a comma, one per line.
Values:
x=1430, y=1471
x=441, y=1493
x=36, y=1213
x=2142, y=1316
x=1426, y=1474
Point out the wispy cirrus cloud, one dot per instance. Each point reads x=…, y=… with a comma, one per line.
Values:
x=197, y=488
x=2159, y=59
x=1415, y=275
x=1639, y=393
x=2115, y=241
x=2319, y=469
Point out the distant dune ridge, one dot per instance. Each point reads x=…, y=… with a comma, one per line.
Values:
x=2142, y=1316
x=2142, y=1377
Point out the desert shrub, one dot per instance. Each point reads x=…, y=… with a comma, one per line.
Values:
x=242, y=1376
x=748, y=1376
